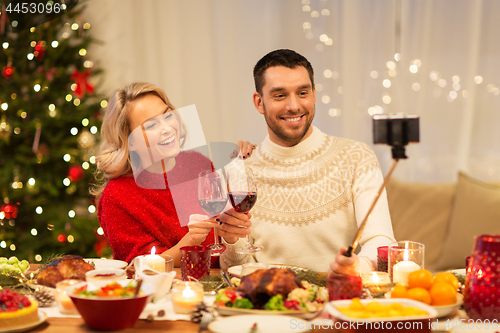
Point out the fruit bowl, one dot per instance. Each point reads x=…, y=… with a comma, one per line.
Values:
x=444, y=310
x=416, y=323
x=110, y=313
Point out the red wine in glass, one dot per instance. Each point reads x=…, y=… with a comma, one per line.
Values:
x=243, y=201
x=242, y=193
x=212, y=197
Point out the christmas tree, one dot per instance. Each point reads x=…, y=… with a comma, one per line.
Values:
x=50, y=113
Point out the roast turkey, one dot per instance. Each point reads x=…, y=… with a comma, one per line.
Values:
x=67, y=267
x=263, y=284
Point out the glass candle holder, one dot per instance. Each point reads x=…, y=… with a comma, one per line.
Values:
x=383, y=259
x=482, y=282
x=169, y=263
x=404, y=258
x=186, y=295
x=64, y=303
x=377, y=283
x=344, y=286
x=195, y=262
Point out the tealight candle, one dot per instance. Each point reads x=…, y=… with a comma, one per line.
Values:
x=154, y=261
x=377, y=283
x=186, y=295
x=402, y=269
x=64, y=303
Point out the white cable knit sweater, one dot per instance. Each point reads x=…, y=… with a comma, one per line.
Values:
x=311, y=199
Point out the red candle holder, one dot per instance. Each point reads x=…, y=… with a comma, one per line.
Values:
x=482, y=283
x=195, y=262
x=383, y=258
x=344, y=286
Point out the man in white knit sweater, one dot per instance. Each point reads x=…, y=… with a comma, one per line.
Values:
x=313, y=189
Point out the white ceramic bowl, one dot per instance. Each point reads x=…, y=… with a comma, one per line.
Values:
x=444, y=310
x=105, y=275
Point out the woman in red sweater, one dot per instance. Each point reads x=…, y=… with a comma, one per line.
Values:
x=137, y=214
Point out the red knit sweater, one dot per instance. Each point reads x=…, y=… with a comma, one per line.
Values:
x=135, y=219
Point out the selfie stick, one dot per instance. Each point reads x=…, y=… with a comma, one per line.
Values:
x=355, y=241
x=397, y=132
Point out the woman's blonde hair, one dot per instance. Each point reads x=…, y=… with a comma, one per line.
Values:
x=114, y=158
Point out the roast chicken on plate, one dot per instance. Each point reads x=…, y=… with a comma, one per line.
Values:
x=67, y=267
x=263, y=284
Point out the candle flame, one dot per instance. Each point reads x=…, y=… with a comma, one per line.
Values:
x=376, y=278
x=153, y=250
x=188, y=292
x=405, y=255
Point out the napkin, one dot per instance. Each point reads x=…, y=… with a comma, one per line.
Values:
x=162, y=281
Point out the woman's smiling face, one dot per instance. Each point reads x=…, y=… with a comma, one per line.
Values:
x=159, y=126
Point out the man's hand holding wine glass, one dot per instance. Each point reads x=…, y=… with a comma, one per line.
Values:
x=234, y=225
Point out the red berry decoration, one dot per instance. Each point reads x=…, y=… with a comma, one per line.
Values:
x=11, y=301
x=8, y=71
x=76, y=173
x=9, y=210
x=39, y=50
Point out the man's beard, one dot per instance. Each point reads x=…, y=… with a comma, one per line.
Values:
x=281, y=133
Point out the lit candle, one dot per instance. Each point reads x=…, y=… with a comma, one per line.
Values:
x=378, y=283
x=402, y=269
x=64, y=303
x=154, y=261
x=186, y=295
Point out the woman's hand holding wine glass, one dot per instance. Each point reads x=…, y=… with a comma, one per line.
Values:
x=212, y=197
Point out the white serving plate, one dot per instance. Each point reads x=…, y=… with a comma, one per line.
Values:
x=265, y=324
x=106, y=263
x=227, y=311
x=332, y=309
x=236, y=270
x=444, y=310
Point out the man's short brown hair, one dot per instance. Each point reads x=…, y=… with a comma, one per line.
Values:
x=282, y=57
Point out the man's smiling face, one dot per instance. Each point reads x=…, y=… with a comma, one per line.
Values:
x=288, y=103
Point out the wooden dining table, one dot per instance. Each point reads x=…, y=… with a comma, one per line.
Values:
x=77, y=325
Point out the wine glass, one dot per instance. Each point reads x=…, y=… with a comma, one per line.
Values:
x=242, y=195
x=212, y=197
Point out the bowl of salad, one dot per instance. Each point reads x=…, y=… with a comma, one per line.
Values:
x=110, y=307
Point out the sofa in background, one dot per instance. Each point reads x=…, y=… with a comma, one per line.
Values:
x=444, y=217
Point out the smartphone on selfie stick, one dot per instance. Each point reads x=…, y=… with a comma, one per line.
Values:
x=396, y=131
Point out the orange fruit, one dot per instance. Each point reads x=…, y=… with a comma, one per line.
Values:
x=443, y=293
x=448, y=278
x=421, y=278
x=398, y=291
x=419, y=294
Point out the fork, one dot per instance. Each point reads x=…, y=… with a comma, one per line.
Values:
x=205, y=320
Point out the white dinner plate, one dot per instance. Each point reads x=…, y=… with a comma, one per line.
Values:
x=42, y=316
x=236, y=270
x=106, y=263
x=265, y=324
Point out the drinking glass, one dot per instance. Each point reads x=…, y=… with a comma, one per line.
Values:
x=212, y=197
x=482, y=283
x=195, y=262
x=242, y=195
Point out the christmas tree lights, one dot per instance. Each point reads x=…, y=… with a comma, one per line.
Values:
x=50, y=112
